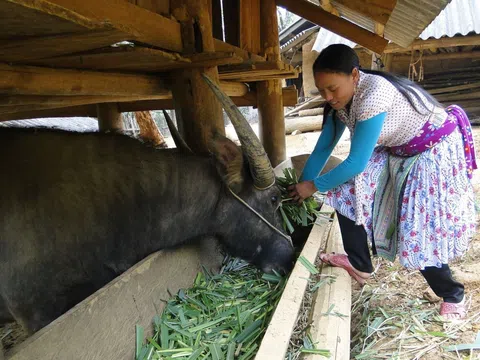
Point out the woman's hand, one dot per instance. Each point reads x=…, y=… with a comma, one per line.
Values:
x=301, y=191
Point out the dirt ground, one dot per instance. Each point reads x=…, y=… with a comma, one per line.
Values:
x=395, y=316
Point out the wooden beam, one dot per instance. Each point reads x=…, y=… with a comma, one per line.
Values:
x=29, y=80
x=57, y=45
x=377, y=10
x=471, y=40
x=230, y=88
x=138, y=59
x=34, y=110
x=142, y=25
x=161, y=7
x=454, y=97
x=450, y=89
x=335, y=24
x=74, y=111
x=442, y=56
x=109, y=117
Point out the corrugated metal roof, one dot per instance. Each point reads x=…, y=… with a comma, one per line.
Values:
x=407, y=21
x=460, y=17
x=410, y=18
x=326, y=38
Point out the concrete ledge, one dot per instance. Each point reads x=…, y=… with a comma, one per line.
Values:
x=102, y=327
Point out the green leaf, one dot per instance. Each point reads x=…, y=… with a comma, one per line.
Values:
x=308, y=265
x=139, y=332
x=216, y=351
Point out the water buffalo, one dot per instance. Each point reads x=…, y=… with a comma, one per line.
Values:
x=78, y=209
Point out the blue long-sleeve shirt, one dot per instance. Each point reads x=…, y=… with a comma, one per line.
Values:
x=362, y=145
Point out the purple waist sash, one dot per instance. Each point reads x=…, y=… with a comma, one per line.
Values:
x=432, y=134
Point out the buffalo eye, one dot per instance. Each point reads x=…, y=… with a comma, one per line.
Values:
x=274, y=199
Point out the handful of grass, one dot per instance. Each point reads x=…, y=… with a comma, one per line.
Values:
x=221, y=317
x=303, y=214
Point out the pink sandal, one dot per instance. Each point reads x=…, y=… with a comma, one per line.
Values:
x=341, y=261
x=458, y=309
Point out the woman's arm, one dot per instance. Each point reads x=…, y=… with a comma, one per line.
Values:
x=331, y=134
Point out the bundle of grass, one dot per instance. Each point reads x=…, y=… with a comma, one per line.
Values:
x=221, y=316
x=293, y=213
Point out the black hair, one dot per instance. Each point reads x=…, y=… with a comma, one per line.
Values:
x=339, y=58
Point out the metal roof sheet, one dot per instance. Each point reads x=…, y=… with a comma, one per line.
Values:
x=460, y=17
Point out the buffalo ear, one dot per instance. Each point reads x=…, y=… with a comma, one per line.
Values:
x=229, y=161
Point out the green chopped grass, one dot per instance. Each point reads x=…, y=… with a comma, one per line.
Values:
x=291, y=212
x=220, y=317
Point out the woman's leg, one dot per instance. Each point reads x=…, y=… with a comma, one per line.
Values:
x=446, y=287
x=355, y=244
x=443, y=284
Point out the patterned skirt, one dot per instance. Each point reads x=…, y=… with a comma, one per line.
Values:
x=437, y=211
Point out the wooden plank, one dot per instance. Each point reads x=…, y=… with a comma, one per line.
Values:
x=257, y=71
x=449, y=89
x=446, y=42
x=62, y=101
x=329, y=330
x=141, y=24
x=335, y=24
x=74, y=111
x=277, y=337
x=15, y=18
x=138, y=59
x=377, y=10
x=18, y=50
x=161, y=7
x=103, y=325
x=29, y=80
x=245, y=55
x=250, y=25
x=17, y=103
x=454, y=97
x=89, y=109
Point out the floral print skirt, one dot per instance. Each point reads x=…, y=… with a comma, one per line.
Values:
x=437, y=214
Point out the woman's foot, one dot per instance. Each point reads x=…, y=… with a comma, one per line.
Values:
x=453, y=311
x=341, y=261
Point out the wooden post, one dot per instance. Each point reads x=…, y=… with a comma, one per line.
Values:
x=388, y=62
x=198, y=112
x=269, y=93
x=109, y=117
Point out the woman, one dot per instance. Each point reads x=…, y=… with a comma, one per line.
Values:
x=406, y=182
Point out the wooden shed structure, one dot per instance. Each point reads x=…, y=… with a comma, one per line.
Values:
x=100, y=58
